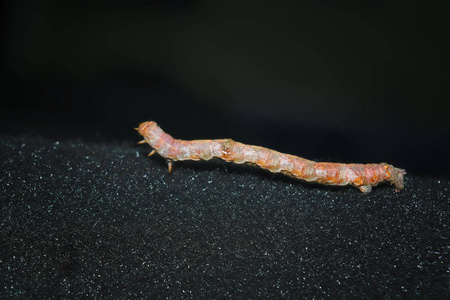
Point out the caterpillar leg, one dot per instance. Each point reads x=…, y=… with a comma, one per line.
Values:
x=142, y=142
x=151, y=153
x=169, y=163
x=365, y=189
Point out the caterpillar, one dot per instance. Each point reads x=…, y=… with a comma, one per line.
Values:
x=361, y=176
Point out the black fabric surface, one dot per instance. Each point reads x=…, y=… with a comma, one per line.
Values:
x=92, y=220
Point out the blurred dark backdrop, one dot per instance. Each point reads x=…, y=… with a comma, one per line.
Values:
x=347, y=81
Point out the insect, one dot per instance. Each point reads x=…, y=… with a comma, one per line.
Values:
x=362, y=176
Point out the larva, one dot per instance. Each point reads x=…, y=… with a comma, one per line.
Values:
x=362, y=176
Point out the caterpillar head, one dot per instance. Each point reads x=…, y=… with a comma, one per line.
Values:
x=145, y=129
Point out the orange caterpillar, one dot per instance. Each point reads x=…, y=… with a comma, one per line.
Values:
x=362, y=176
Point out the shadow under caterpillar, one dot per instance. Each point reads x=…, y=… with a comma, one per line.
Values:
x=362, y=176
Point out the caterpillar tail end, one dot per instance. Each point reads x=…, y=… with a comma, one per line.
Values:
x=397, y=179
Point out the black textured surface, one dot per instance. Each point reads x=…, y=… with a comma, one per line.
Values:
x=83, y=220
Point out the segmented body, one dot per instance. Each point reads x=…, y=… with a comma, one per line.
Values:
x=362, y=176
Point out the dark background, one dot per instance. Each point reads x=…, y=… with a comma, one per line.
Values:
x=349, y=81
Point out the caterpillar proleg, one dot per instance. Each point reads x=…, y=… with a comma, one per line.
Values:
x=362, y=176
